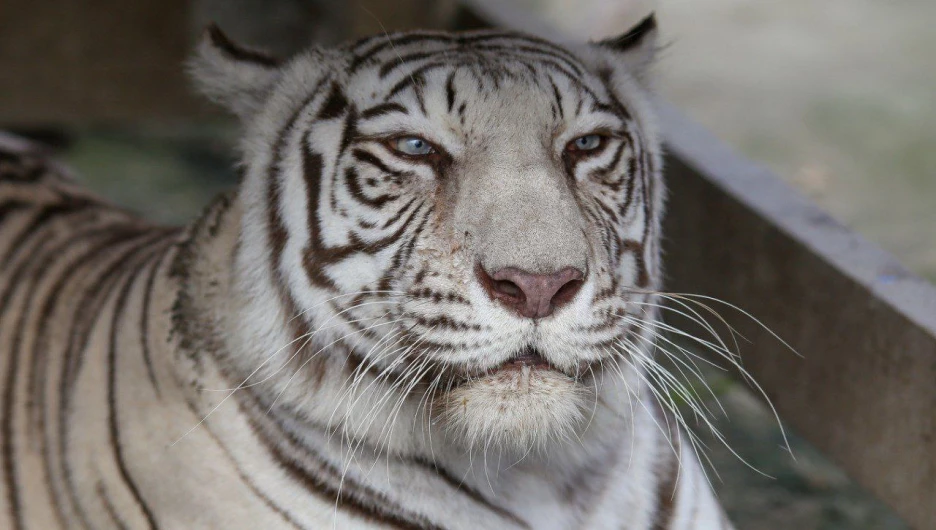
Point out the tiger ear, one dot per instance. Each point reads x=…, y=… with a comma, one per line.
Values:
x=237, y=78
x=636, y=49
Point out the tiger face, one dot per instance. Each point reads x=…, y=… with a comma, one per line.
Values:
x=463, y=221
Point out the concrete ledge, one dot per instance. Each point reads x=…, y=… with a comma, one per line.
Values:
x=865, y=390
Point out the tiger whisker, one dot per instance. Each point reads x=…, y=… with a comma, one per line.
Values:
x=320, y=350
x=391, y=422
x=659, y=374
x=677, y=360
x=269, y=358
x=307, y=337
x=696, y=318
x=371, y=416
x=385, y=372
x=733, y=359
x=670, y=406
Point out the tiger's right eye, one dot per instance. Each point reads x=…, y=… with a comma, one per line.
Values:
x=412, y=146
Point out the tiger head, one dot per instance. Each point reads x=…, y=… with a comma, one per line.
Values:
x=462, y=223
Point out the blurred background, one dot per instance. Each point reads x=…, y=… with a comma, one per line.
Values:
x=836, y=97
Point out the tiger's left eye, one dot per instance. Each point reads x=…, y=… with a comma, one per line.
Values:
x=412, y=146
x=589, y=142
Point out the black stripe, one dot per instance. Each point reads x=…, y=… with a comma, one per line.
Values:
x=276, y=230
x=114, y=235
x=472, y=493
x=144, y=321
x=416, y=80
x=403, y=253
x=633, y=37
x=12, y=206
x=114, y=429
x=368, y=158
x=405, y=60
x=382, y=110
x=450, y=90
x=558, y=96
x=667, y=491
x=89, y=306
x=287, y=518
x=109, y=506
x=6, y=438
x=538, y=42
x=427, y=293
x=335, y=105
x=348, y=133
x=311, y=470
x=46, y=214
x=647, y=177
x=616, y=181
x=25, y=169
x=539, y=55
x=317, y=255
x=354, y=188
x=220, y=41
x=392, y=42
x=312, y=171
x=445, y=322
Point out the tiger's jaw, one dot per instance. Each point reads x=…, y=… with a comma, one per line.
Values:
x=521, y=406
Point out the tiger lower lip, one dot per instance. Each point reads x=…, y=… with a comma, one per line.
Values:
x=529, y=358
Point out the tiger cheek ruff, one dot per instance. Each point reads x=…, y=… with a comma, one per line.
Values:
x=425, y=306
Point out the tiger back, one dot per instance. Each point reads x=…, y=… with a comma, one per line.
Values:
x=429, y=304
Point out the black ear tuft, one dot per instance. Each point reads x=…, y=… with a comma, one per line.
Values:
x=633, y=38
x=635, y=51
x=221, y=41
x=238, y=78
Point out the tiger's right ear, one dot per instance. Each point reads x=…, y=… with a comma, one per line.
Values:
x=636, y=49
x=238, y=78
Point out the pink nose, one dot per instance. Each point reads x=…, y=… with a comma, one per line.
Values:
x=532, y=295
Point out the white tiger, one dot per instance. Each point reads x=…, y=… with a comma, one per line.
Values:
x=428, y=305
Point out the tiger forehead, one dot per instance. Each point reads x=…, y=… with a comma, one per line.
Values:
x=392, y=51
x=489, y=69
x=490, y=58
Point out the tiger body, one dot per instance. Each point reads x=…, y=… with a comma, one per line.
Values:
x=330, y=346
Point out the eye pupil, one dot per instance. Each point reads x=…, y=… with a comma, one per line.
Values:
x=412, y=145
x=588, y=142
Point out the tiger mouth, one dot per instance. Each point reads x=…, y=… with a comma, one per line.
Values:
x=528, y=357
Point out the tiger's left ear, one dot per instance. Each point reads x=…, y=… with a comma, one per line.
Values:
x=238, y=78
x=636, y=49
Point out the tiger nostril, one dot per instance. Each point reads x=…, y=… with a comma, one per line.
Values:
x=507, y=288
x=529, y=294
x=567, y=292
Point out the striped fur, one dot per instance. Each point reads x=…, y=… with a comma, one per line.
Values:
x=316, y=351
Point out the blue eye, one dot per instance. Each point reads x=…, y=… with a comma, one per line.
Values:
x=589, y=142
x=412, y=146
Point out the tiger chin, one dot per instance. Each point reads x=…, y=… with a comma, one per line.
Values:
x=429, y=303
x=524, y=406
